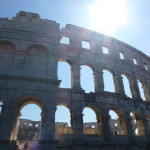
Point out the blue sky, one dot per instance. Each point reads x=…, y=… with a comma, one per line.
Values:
x=135, y=31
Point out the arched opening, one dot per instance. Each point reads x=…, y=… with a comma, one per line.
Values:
x=137, y=124
x=64, y=74
x=87, y=79
x=27, y=130
x=63, y=122
x=91, y=121
x=142, y=89
x=37, y=59
x=6, y=47
x=7, y=50
x=108, y=81
x=37, y=50
x=117, y=122
x=126, y=84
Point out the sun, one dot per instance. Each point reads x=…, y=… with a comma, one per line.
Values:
x=107, y=15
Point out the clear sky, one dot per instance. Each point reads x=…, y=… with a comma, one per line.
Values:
x=126, y=20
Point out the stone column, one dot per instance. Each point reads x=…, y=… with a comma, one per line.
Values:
x=75, y=77
x=119, y=88
x=77, y=117
x=146, y=92
x=129, y=127
x=134, y=89
x=98, y=80
x=15, y=129
x=140, y=127
x=105, y=124
x=8, y=119
x=99, y=125
x=47, y=140
x=52, y=64
x=122, y=125
x=146, y=126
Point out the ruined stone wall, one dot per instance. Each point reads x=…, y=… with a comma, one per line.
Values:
x=31, y=130
x=29, y=53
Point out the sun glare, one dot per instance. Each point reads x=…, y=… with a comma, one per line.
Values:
x=107, y=15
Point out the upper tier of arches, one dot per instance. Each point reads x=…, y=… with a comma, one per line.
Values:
x=101, y=80
x=100, y=74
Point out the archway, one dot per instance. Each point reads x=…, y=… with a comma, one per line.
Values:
x=91, y=121
x=117, y=122
x=87, y=79
x=64, y=74
x=7, y=50
x=63, y=122
x=126, y=84
x=137, y=124
x=37, y=59
x=108, y=81
x=142, y=89
x=27, y=129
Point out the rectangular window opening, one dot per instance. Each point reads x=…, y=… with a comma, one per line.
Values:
x=135, y=61
x=105, y=50
x=85, y=44
x=121, y=55
x=64, y=40
x=146, y=67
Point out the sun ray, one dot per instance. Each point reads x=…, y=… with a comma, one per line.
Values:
x=107, y=15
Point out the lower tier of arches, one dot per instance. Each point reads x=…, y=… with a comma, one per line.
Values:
x=80, y=135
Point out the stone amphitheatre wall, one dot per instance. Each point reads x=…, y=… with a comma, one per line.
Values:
x=30, y=50
x=31, y=130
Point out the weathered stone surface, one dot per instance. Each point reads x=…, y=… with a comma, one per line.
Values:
x=29, y=53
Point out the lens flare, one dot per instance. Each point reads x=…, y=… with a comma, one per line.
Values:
x=108, y=15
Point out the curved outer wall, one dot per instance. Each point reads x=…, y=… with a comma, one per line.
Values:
x=24, y=79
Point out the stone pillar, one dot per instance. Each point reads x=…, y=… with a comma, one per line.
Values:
x=140, y=127
x=99, y=125
x=77, y=117
x=146, y=126
x=75, y=77
x=146, y=92
x=98, y=80
x=134, y=89
x=47, y=140
x=52, y=65
x=105, y=124
x=129, y=128
x=15, y=129
x=71, y=122
x=8, y=119
x=119, y=88
x=122, y=125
